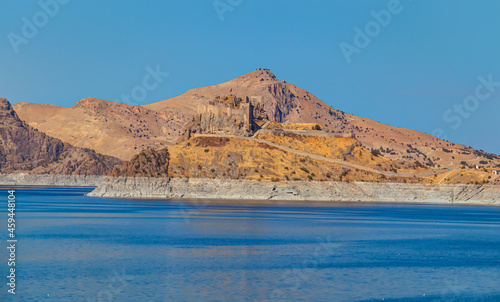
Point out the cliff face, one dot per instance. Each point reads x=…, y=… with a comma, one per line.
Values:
x=23, y=148
x=148, y=163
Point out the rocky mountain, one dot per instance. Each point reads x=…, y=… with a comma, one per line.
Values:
x=122, y=130
x=25, y=149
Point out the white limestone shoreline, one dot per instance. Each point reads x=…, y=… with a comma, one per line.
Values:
x=230, y=189
x=51, y=180
x=200, y=188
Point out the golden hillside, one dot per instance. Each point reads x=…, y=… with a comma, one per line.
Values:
x=349, y=149
x=239, y=158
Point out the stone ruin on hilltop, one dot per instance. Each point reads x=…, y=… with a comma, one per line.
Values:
x=228, y=115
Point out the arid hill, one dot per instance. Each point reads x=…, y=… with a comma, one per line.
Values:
x=24, y=149
x=122, y=130
x=110, y=128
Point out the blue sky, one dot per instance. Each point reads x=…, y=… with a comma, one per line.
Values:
x=414, y=72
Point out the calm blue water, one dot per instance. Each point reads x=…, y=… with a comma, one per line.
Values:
x=77, y=248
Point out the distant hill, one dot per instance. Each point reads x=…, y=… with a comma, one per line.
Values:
x=110, y=128
x=122, y=130
x=24, y=149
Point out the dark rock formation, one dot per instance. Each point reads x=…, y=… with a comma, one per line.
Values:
x=148, y=163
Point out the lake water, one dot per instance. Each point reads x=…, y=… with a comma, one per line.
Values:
x=76, y=248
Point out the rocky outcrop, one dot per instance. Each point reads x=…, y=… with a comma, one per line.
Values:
x=148, y=163
x=199, y=188
x=23, y=148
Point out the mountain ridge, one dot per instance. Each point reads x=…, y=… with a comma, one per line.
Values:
x=131, y=128
x=25, y=149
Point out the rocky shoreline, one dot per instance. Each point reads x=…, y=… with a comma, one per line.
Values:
x=201, y=188
x=53, y=180
x=230, y=189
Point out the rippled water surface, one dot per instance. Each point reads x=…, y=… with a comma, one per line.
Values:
x=77, y=248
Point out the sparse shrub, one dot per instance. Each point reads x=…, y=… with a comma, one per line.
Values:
x=309, y=177
x=304, y=169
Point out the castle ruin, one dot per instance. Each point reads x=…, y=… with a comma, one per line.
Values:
x=228, y=115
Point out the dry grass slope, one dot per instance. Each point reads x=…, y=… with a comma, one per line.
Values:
x=234, y=158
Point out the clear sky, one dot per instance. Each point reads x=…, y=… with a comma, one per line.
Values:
x=423, y=65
